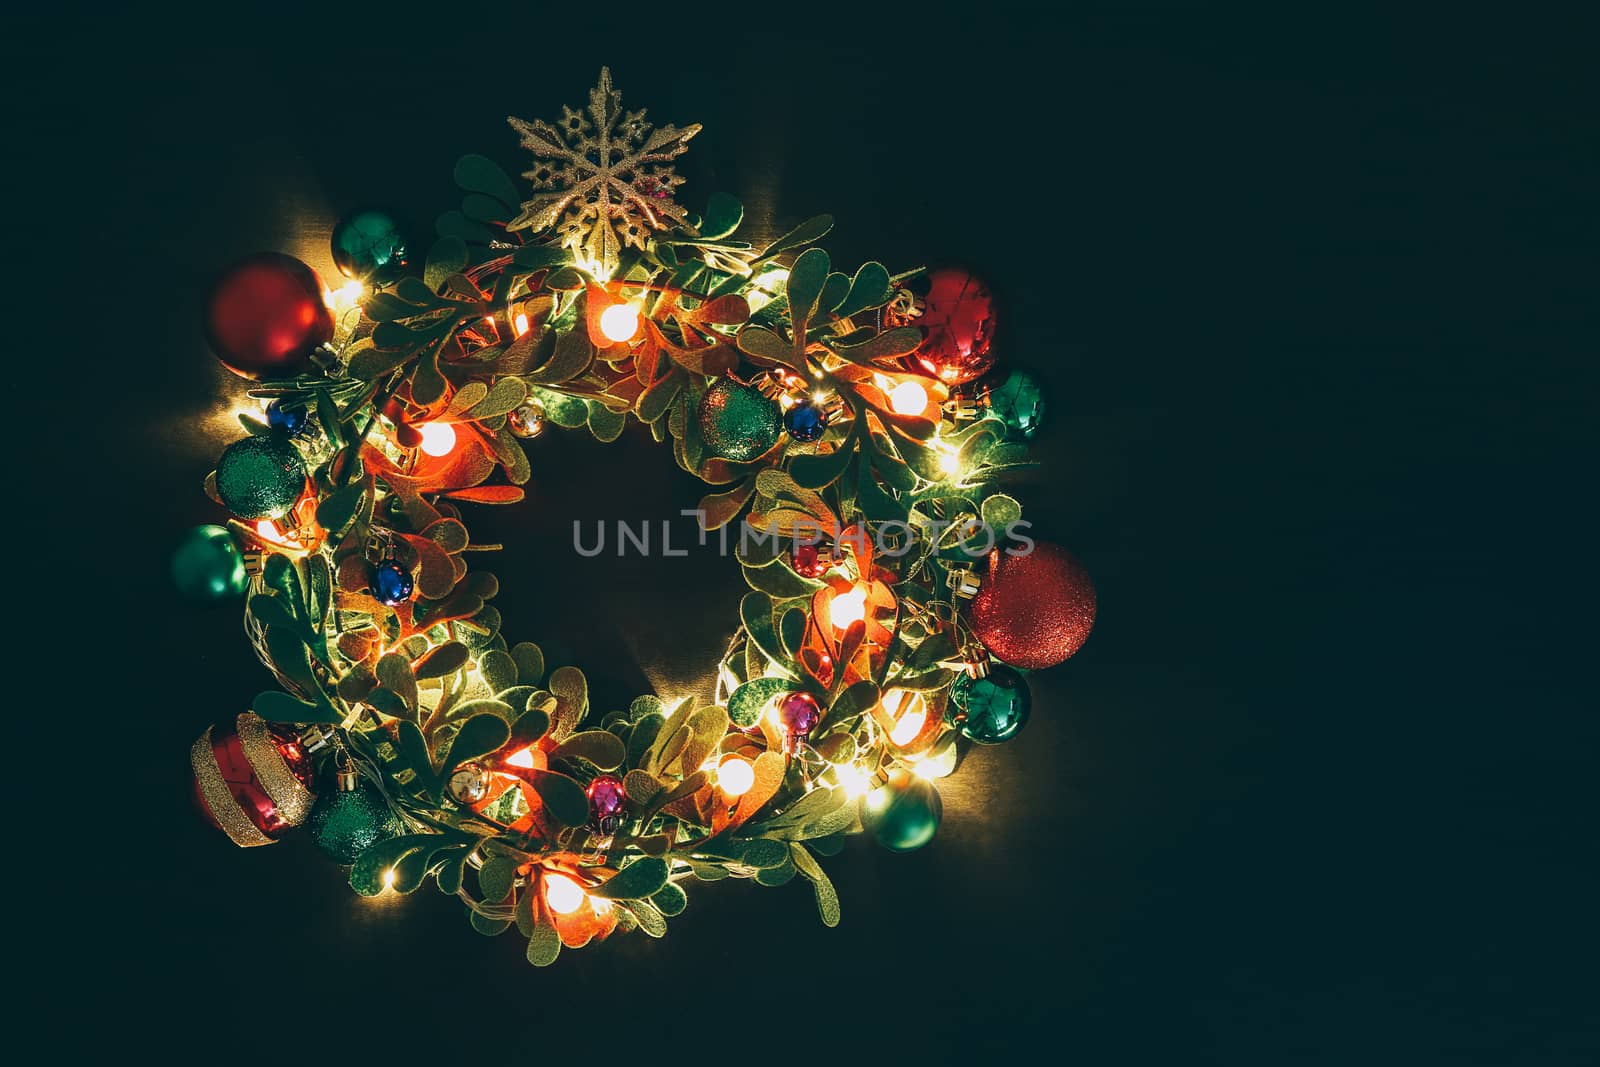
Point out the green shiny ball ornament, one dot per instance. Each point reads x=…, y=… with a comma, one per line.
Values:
x=738, y=422
x=903, y=814
x=345, y=823
x=368, y=244
x=991, y=709
x=1019, y=402
x=207, y=565
x=260, y=477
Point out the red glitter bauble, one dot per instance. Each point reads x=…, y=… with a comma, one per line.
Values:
x=252, y=779
x=265, y=316
x=958, y=322
x=1034, y=611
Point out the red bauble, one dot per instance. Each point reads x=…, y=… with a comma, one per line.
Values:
x=251, y=779
x=958, y=322
x=807, y=561
x=1034, y=611
x=265, y=316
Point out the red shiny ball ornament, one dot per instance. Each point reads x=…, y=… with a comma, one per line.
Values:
x=607, y=799
x=958, y=323
x=252, y=779
x=265, y=316
x=1034, y=611
x=800, y=714
x=807, y=561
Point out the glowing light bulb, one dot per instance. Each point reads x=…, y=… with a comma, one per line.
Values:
x=438, y=438
x=935, y=767
x=852, y=779
x=848, y=608
x=909, y=398
x=388, y=878
x=908, y=727
x=735, y=776
x=521, y=324
x=521, y=758
x=563, y=894
x=619, y=322
x=949, y=458
x=343, y=298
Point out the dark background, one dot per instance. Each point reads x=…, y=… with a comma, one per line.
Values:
x=1313, y=299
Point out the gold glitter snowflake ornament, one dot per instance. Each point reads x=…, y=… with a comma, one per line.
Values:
x=603, y=178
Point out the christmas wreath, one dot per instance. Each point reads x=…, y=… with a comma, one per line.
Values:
x=895, y=599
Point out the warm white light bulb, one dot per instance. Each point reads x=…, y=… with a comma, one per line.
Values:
x=848, y=608
x=520, y=758
x=438, y=438
x=735, y=776
x=852, y=779
x=619, y=322
x=521, y=324
x=910, y=725
x=388, y=878
x=909, y=398
x=563, y=894
x=949, y=460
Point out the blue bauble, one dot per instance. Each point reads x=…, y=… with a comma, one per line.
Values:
x=806, y=421
x=292, y=421
x=391, y=583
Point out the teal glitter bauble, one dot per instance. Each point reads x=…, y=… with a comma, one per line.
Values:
x=1019, y=402
x=368, y=244
x=260, y=477
x=345, y=823
x=207, y=565
x=738, y=422
x=992, y=709
x=902, y=814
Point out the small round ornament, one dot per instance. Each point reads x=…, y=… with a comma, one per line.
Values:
x=1034, y=610
x=265, y=317
x=344, y=823
x=957, y=321
x=990, y=709
x=1019, y=402
x=607, y=799
x=469, y=782
x=738, y=422
x=526, y=419
x=806, y=421
x=368, y=243
x=808, y=562
x=902, y=814
x=391, y=583
x=208, y=566
x=292, y=421
x=799, y=713
x=251, y=779
x=260, y=477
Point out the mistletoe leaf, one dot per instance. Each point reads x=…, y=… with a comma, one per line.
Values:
x=642, y=878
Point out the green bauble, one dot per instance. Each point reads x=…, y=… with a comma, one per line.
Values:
x=992, y=709
x=207, y=565
x=260, y=477
x=1019, y=402
x=738, y=422
x=345, y=823
x=902, y=814
x=368, y=244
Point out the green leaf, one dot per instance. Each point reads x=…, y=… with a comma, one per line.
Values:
x=447, y=256
x=999, y=511
x=639, y=879
x=853, y=702
x=367, y=875
x=827, y=898
x=806, y=279
x=671, y=900
x=503, y=397
x=442, y=660
x=569, y=684
x=870, y=288
x=530, y=726
x=486, y=926
x=815, y=471
x=572, y=356
x=544, y=945
x=602, y=748
x=529, y=659
x=541, y=257
x=605, y=424
x=808, y=232
x=479, y=174
x=499, y=669
x=834, y=290
x=650, y=920
x=478, y=736
x=564, y=799
x=880, y=348
x=776, y=876
x=750, y=699
x=764, y=852
x=496, y=877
